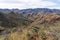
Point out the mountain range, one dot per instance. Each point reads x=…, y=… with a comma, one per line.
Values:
x=36, y=10
x=30, y=24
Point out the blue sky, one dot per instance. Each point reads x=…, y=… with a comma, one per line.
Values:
x=25, y=4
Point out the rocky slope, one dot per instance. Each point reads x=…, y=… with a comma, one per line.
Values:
x=30, y=24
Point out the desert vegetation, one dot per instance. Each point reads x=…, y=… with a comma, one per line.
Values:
x=31, y=26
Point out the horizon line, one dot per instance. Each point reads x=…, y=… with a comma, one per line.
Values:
x=27, y=8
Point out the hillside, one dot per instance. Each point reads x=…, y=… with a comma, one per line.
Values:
x=30, y=24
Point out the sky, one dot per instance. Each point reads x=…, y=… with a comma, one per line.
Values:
x=25, y=4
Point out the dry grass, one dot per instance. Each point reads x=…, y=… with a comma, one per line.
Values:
x=17, y=36
x=38, y=31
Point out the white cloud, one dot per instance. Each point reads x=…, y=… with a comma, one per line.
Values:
x=22, y=4
x=42, y=4
x=54, y=7
x=29, y=0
